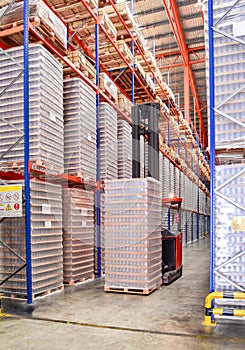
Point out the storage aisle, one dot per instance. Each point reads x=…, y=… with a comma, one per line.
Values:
x=170, y=318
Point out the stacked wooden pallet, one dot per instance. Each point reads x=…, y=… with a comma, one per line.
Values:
x=140, y=70
x=46, y=108
x=46, y=244
x=132, y=235
x=140, y=40
x=4, y=3
x=149, y=65
x=125, y=79
x=150, y=83
x=41, y=18
x=73, y=10
x=79, y=235
x=108, y=86
x=124, y=103
x=86, y=30
x=79, y=129
x=110, y=58
x=148, y=58
x=126, y=16
x=82, y=63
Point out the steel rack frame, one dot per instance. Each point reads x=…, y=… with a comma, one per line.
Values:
x=173, y=120
x=216, y=185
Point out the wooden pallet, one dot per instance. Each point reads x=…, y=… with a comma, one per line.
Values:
x=108, y=95
x=4, y=3
x=125, y=79
x=48, y=292
x=88, y=26
x=69, y=73
x=72, y=282
x=13, y=33
x=140, y=69
x=108, y=87
x=108, y=25
x=86, y=32
x=35, y=166
x=34, y=295
x=110, y=57
x=70, y=11
x=125, y=109
x=122, y=47
x=125, y=14
x=81, y=63
x=133, y=290
x=149, y=58
x=18, y=166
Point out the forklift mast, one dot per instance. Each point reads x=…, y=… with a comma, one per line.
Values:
x=145, y=119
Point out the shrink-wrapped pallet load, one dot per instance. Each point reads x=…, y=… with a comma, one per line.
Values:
x=46, y=244
x=132, y=229
x=79, y=235
x=45, y=109
x=79, y=129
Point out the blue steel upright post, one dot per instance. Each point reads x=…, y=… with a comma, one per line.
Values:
x=98, y=199
x=26, y=154
x=212, y=139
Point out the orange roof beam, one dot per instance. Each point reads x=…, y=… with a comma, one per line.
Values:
x=175, y=22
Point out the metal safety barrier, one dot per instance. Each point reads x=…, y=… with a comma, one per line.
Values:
x=211, y=311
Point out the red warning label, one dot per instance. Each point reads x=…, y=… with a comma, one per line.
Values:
x=16, y=206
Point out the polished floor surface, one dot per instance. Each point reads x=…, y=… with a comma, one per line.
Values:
x=85, y=317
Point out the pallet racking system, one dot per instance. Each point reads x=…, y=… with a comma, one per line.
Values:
x=177, y=141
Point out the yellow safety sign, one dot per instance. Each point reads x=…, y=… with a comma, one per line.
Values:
x=11, y=200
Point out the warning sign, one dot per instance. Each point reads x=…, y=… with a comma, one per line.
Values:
x=8, y=197
x=8, y=207
x=10, y=200
x=16, y=206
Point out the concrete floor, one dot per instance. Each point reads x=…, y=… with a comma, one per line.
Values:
x=85, y=317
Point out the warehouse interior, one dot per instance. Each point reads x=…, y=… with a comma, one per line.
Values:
x=122, y=174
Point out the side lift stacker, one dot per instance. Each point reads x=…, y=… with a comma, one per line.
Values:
x=145, y=119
